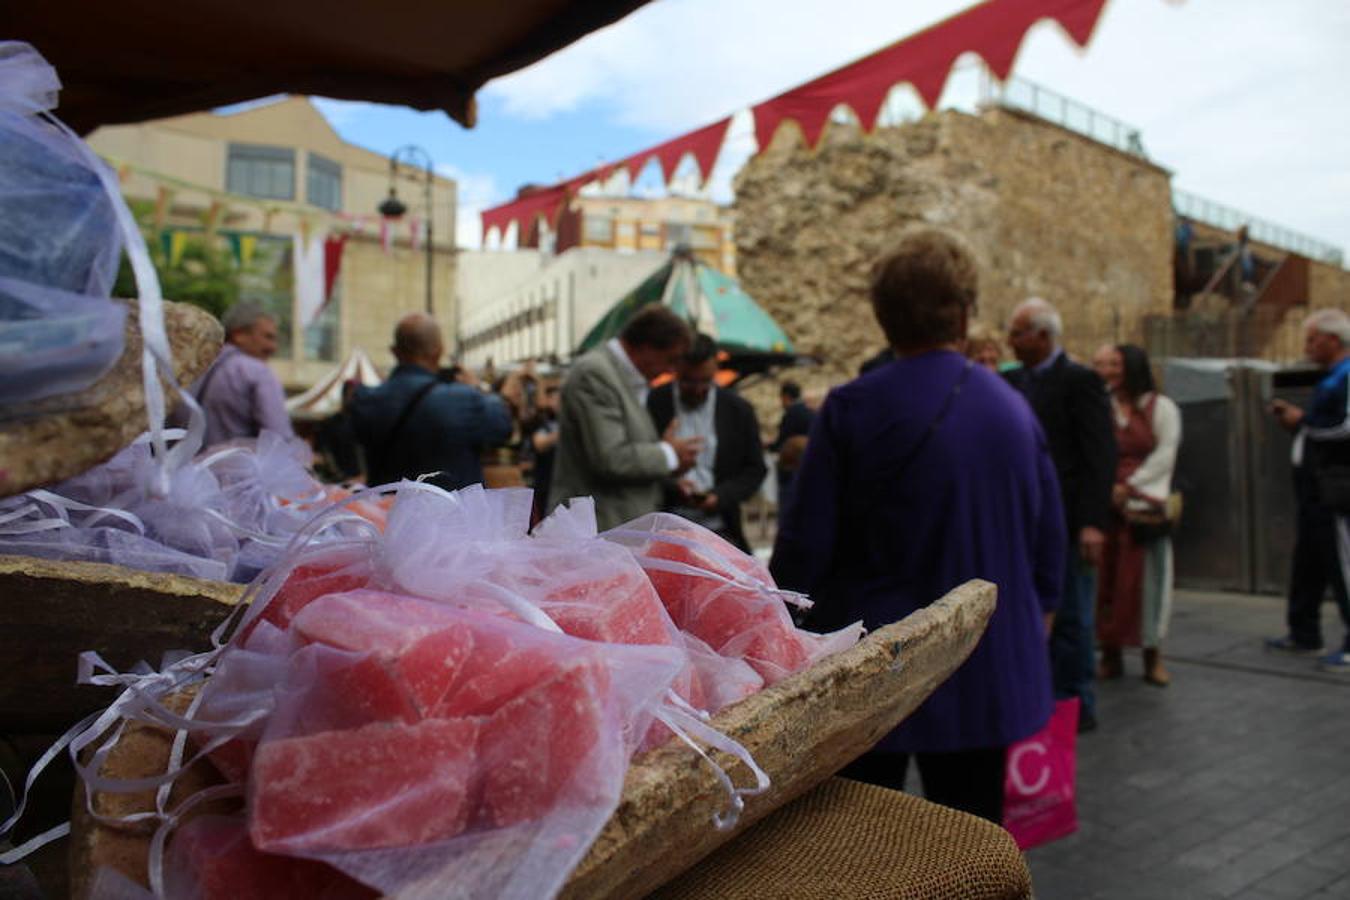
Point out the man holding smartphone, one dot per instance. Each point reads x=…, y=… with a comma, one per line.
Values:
x=1321, y=452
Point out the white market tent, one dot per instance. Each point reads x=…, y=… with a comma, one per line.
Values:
x=325, y=397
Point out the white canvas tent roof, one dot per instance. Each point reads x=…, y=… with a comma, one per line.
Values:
x=325, y=397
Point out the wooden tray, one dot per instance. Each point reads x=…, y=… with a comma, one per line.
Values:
x=801, y=731
x=53, y=611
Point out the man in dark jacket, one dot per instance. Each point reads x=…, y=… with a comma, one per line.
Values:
x=1073, y=406
x=796, y=423
x=415, y=425
x=730, y=466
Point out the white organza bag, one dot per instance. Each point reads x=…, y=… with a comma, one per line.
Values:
x=59, y=243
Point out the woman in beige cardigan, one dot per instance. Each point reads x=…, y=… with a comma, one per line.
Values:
x=1134, y=587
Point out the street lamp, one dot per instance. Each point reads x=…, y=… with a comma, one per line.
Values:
x=394, y=208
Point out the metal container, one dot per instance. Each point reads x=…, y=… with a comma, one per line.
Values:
x=1233, y=469
x=1211, y=546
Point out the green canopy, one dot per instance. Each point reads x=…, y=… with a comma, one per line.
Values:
x=713, y=303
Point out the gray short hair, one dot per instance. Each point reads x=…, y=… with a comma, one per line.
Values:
x=1330, y=321
x=243, y=316
x=1042, y=316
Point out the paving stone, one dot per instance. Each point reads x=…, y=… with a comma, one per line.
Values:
x=1297, y=881
x=1337, y=890
x=1231, y=783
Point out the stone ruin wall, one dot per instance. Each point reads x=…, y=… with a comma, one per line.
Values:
x=1045, y=212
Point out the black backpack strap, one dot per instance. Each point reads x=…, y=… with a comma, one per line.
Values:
x=403, y=417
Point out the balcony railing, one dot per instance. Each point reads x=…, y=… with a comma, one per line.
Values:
x=1027, y=96
x=1266, y=232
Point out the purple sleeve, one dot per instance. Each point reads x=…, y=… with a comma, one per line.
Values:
x=269, y=404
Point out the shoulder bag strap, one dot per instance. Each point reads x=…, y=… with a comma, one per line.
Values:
x=200, y=393
x=937, y=420
x=403, y=417
x=933, y=426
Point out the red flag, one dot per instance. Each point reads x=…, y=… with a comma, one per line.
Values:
x=332, y=262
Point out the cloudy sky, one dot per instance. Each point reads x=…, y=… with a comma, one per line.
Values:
x=1242, y=99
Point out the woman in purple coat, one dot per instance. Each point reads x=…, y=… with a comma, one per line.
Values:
x=918, y=476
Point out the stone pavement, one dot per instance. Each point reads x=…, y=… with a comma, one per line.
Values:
x=1232, y=782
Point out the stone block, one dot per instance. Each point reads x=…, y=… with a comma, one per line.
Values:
x=59, y=437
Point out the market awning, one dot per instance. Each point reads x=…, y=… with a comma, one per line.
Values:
x=325, y=397
x=142, y=59
x=710, y=301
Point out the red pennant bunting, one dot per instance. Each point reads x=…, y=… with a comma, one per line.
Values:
x=546, y=203
x=993, y=29
x=1080, y=19
x=704, y=144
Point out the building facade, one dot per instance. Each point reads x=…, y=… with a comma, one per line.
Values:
x=625, y=224
x=526, y=304
x=275, y=186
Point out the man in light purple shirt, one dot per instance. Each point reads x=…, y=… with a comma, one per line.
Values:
x=239, y=393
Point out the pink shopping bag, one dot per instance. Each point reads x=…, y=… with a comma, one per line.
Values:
x=1038, y=788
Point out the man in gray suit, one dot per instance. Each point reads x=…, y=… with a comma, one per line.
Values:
x=608, y=447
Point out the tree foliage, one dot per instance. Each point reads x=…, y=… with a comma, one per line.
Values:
x=203, y=275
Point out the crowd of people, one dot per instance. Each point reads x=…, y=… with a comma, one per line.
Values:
x=943, y=462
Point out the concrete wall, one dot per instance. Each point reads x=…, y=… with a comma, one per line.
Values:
x=1045, y=212
x=377, y=289
x=482, y=277
x=550, y=310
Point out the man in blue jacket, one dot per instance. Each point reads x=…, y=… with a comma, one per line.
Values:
x=1321, y=447
x=414, y=424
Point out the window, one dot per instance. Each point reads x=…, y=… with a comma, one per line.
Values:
x=261, y=171
x=324, y=183
x=598, y=230
x=321, y=335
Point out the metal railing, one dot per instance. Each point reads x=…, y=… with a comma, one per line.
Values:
x=1226, y=217
x=1029, y=97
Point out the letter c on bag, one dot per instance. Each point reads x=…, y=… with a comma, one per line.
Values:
x=1015, y=769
